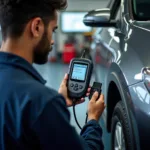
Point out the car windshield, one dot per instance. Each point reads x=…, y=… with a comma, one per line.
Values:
x=141, y=9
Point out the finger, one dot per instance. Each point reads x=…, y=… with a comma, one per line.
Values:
x=95, y=96
x=65, y=79
x=81, y=101
x=101, y=99
x=87, y=94
x=89, y=89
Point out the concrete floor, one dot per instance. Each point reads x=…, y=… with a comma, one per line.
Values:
x=53, y=73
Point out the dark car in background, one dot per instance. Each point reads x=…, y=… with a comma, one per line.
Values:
x=121, y=55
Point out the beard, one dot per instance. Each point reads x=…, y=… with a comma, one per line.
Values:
x=41, y=51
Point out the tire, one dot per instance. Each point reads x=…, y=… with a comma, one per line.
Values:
x=120, y=126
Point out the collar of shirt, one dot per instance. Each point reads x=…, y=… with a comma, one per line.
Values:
x=17, y=61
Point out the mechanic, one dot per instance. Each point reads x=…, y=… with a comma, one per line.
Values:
x=32, y=116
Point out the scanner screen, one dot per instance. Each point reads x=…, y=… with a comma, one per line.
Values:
x=79, y=72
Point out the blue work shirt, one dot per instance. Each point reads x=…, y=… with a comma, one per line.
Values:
x=35, y=117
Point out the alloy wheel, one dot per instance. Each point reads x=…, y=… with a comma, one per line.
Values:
x=119, y=141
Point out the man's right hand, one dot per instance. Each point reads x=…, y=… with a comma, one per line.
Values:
x=96, y=107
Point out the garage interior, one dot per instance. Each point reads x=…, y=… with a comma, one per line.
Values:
x=116, y=40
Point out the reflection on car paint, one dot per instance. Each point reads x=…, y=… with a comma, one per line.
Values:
x=142, y=94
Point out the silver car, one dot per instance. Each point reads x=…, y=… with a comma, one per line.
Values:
x=121, y=55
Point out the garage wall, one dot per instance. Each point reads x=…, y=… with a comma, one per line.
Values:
x=78, y=5
x=86, y=4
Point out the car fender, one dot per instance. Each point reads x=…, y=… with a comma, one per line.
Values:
x=116, y=76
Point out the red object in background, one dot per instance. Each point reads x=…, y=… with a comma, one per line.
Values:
x=68, y=53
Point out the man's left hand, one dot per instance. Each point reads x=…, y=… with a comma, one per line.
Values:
x=63, y=90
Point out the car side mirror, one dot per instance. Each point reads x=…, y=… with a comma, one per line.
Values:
x=99, y=18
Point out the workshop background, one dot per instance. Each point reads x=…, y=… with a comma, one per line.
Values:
x=71, y=38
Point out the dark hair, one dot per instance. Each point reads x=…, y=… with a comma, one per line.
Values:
x=15, y=14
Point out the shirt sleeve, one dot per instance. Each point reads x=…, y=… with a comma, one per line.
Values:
x=53, y=129
x=92, y=134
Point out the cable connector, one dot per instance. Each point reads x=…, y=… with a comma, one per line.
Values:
x=96, y=87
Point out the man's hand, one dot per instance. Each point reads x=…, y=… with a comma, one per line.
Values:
x=96, y=107
x=63, y=90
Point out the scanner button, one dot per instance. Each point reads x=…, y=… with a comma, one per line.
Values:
x=72, y=85
x=80, y=87
x=76, y=85
x=76, y=89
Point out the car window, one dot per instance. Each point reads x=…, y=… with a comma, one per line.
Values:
x=141, y=10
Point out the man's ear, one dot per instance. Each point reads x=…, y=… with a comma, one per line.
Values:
x=37, y=27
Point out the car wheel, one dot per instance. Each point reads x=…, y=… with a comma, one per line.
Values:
x=121, y=135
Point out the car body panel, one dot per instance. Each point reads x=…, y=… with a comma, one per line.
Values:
x=140, y=110
x=119, y=56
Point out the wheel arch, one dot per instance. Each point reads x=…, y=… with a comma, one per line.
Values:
x=117, y=90
x=117, y=81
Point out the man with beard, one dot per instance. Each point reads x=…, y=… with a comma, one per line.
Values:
x=32, y=116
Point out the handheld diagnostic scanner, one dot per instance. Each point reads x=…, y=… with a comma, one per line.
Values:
x=80, y=72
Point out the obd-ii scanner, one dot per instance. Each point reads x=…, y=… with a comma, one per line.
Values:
x=79, y=77
x=80, y=72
